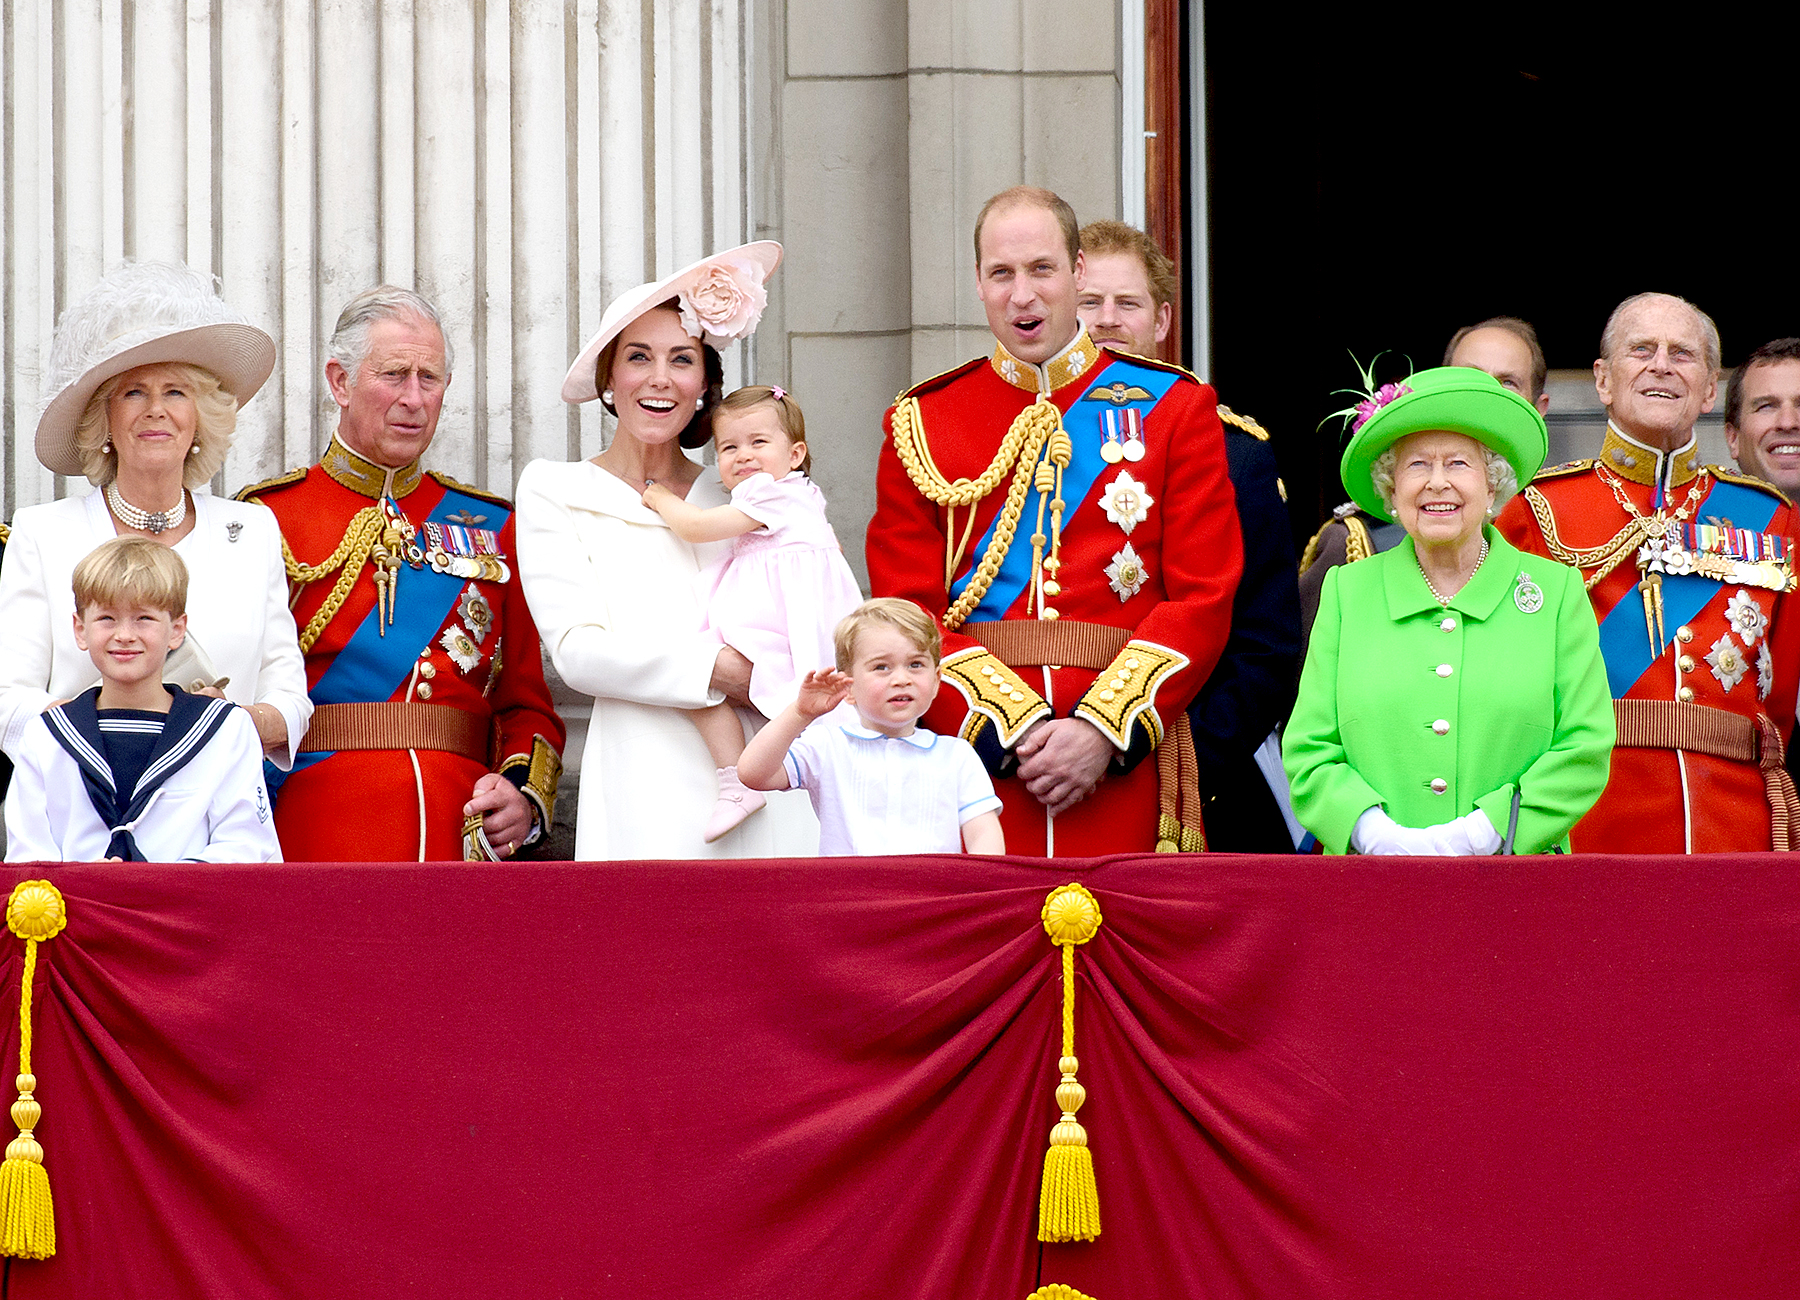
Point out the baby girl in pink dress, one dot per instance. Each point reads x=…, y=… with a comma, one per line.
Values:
x=779, y=593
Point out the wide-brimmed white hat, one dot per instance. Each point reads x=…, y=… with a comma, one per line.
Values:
x=143, y=314
x=721, y=298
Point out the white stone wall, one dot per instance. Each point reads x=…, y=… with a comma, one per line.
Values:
x=883, y=126
x=519, y=163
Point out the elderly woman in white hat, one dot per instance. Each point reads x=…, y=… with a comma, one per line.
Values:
x=613, y=589
x=146, y=376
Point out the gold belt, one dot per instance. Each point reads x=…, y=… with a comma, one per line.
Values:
x=1021, y=642
x=394, y=725
x=1702, y=729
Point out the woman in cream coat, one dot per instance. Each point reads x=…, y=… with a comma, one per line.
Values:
x=614, y=591
x=146, y=375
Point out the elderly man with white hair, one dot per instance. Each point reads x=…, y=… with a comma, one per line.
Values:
x=1688, y=566
x=433, y=734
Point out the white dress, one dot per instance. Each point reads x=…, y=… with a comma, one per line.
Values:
x=614, y=595
x=780, y=593
x=236, y=607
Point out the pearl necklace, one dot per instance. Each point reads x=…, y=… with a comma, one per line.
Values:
x=1441, y=598
x=145, y=521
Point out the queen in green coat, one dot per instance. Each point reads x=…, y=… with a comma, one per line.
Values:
x=1453, y=700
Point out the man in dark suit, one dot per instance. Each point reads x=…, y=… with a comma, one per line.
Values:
x=1126, y=302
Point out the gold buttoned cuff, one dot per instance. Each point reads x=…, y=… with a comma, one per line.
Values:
x=994, y=692
x=543, y=772
x=1124, y=694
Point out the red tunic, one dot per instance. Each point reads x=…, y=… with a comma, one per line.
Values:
x=1667, y=800
x=384, y=805
x=1170, y=588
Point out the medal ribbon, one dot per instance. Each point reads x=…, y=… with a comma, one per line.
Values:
x=1082, y=421
x=1622, y=641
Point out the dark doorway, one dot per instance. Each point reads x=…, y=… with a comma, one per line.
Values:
x=1375, y=184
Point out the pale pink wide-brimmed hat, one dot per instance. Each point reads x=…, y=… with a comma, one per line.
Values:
x=143, y=314
x=721, y=298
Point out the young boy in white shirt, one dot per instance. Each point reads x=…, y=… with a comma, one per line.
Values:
x=886, y=785
x=132, y=770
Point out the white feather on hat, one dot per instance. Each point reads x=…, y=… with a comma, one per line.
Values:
x=141, y=314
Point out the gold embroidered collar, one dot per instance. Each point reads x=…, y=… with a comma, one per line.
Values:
x=1631, y=459
x=1065, y=367
x=364, y=476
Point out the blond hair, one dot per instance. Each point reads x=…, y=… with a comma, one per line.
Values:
x=787, y=411
x=903, y=616
x=135, y=571
x=215, y=413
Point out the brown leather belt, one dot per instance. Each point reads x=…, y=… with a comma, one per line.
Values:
x=391, y=725
x=1702, y=729
x=1063, y=643
x=1021, y=642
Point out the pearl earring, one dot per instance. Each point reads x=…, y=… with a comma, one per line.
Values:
x=194, y=450
x=606, y=396
x=106, y=447
x=699, y=404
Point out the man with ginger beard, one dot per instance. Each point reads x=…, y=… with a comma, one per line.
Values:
x=1065, y=513
x=1127, y=303
x=1687, y=566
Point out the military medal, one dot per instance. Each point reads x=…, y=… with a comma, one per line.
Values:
x=1126, y=572
x=1110, y=450
x=1726, y=554
x=463, y=552
x=1527, y=595
x=1122, y=434
x=1727, y=662
x=463, y=651
x=1126, y=503
x=477, y=614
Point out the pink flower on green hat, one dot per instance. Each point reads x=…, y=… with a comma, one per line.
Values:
x=1365, y=409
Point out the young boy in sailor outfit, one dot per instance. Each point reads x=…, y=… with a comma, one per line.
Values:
x=132, y=770
x=880, y=784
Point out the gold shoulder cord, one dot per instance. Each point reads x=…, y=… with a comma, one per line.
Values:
x=1603, y=559
x=1031, y=429
x=347, y=561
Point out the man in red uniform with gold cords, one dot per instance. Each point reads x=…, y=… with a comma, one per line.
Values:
x=433, y=735
x=1065, y=512
x=1688, y=566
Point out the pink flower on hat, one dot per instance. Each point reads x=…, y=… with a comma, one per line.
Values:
x=725, y=300
x=1365, y=409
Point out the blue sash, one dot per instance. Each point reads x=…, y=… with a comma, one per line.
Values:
x=1624, y=642
x=371, y=666
x=1082, y=422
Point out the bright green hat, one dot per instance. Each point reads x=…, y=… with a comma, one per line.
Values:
x=1448, y=399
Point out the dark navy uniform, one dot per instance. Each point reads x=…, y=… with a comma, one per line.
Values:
x=1252, y=689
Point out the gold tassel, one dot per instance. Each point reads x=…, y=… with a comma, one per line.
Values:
x=1069, y=1205
x=27, y=1220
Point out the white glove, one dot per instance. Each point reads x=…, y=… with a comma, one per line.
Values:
x=1467, y=836
x=1376, y=832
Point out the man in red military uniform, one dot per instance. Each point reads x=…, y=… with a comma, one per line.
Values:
x=433, y=735
x=1688, y=566
x=1065, y=512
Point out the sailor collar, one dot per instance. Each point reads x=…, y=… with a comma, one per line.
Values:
x=918, y=738
x=364, y=477
x=1631, y=459
x=1064, y=368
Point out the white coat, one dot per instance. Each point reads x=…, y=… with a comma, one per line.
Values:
x=213, y=809
x=614, y=594
x=236, y=606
